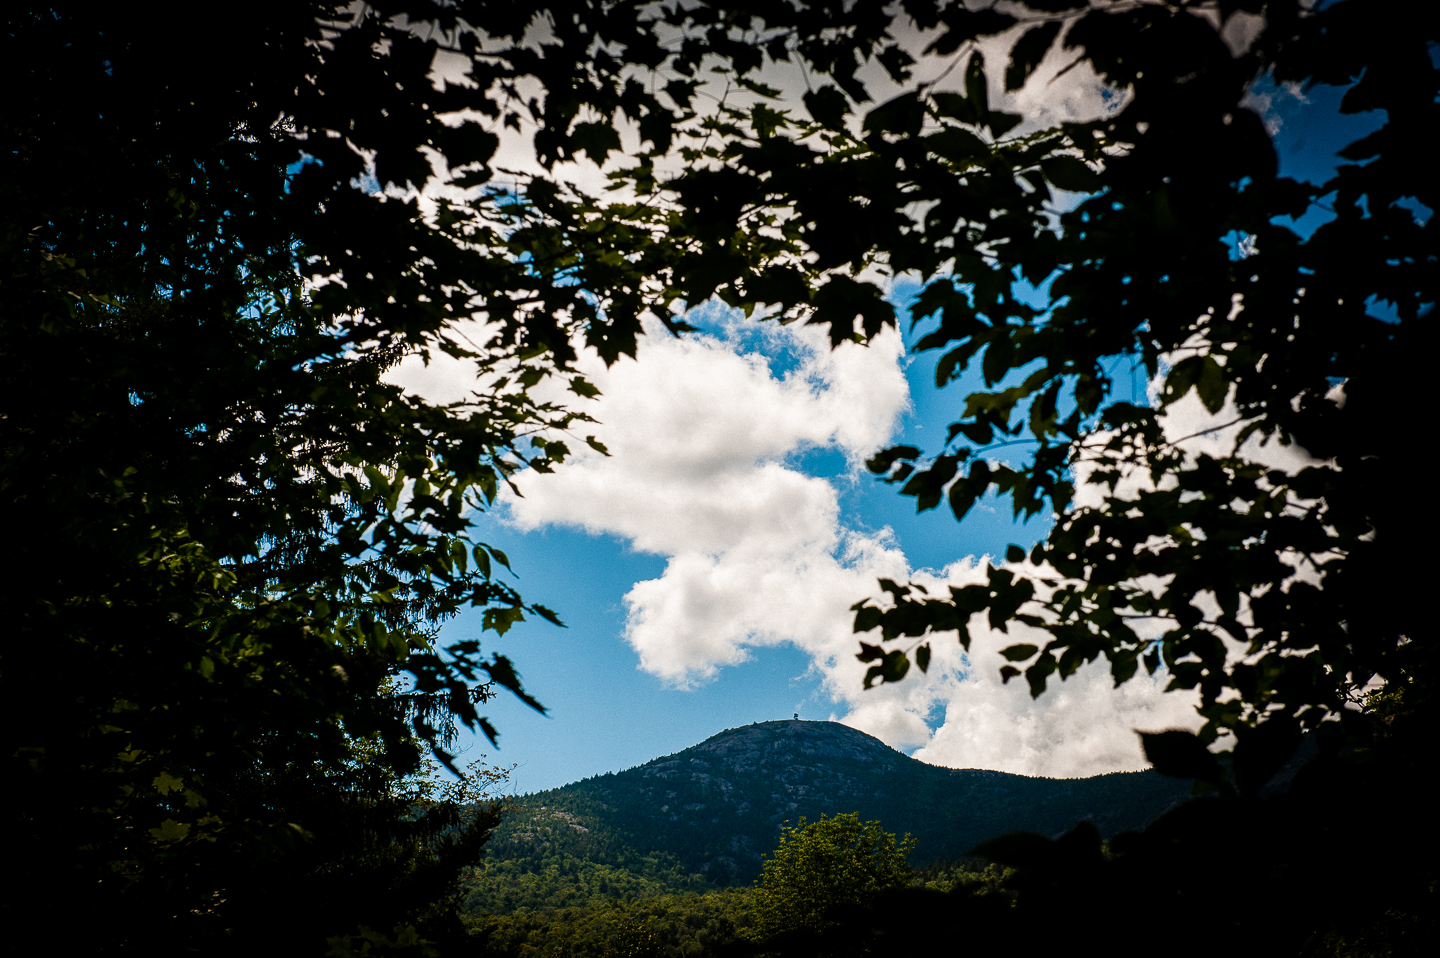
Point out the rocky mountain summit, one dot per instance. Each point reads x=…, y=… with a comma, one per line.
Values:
x=717, y=806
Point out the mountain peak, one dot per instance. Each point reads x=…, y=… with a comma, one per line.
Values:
x=758, y=744
x=717, y=806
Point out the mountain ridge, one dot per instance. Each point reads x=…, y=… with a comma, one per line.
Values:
x=714, y=808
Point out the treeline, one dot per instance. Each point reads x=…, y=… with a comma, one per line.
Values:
x=572, y=907
x=508, y=887
x=658, y=925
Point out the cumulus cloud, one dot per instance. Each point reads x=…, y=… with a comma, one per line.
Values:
x=705, y=434
x=702, y=438
x=1082, y=726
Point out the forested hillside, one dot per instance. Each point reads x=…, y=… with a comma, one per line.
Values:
x=713, y=809
x=659, y=858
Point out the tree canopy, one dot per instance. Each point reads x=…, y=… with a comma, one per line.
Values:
x=233, y=538
x=820, y=870
x=1282, y=339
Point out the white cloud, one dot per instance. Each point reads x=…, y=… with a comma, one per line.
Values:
x=700, y=438
x=703, y=438
x=1081, y=726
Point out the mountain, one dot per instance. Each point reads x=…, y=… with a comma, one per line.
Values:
x=714, y=808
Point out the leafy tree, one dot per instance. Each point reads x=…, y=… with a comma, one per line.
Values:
x=382, y=866
x=635, y=938
x=230, y=533
x=822, y=869
x=1216, y=549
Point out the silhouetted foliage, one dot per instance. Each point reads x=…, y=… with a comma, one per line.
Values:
x=230, y=533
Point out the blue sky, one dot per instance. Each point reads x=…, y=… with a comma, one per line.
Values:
x=605, y=713
x=678, y=626
x=704, y=570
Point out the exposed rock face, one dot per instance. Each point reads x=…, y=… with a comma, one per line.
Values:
x=718, y=805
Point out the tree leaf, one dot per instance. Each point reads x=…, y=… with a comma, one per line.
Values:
x=1180, y=754
x=901, y=116
x=1070, y=173
x=1028, y=51
x=827, y=105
